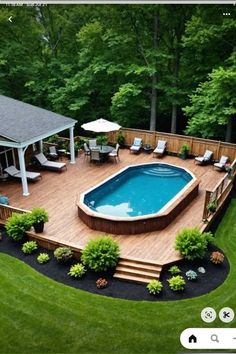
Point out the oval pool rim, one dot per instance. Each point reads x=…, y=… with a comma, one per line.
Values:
x=97, y=221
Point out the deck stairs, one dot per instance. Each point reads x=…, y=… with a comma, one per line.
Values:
x=137, y=271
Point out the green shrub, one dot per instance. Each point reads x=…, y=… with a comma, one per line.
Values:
x=77, y=270
x=38, y=214
x=191, y=275
x=192, y=244
x=29, y=247
x=43, y=258
x=17, y=224
x=63, y=254
x=154, y=287
x=176, y=283
x=101, y=254
x=174, y=270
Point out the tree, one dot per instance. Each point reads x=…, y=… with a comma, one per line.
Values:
x=213, y=104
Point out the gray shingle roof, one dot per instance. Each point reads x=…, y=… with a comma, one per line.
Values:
x=21, y=121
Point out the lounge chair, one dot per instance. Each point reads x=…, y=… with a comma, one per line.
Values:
x=222, y=163
x=49, y=165
x=115, y=153
x=206, y=158
x=14, y=172
x=53, y=153
x=137, y=144
x=160, y=149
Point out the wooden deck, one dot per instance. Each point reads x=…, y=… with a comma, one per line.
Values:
x=58, y=193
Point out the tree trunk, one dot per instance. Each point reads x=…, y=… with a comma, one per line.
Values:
x=228, y=134
x=173, y=118
x=153, y=103
x=154, y=77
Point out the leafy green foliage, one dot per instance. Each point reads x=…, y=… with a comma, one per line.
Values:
x=174, y=270
x=101, y=254
x=63, y=254
x=191, y=275
x=43, y=258
x=192, y=243
x=39, y=214
x=154, y=287
x=77, y=270
x=17, y=225
x=29, y=247
x=176, y=283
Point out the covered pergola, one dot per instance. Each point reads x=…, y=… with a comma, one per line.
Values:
x=22, y=124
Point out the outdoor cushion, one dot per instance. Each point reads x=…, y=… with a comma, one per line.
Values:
x=44, y=162
x=205, y=158
x=12, y=171
x=161, y=145
x=221, y=164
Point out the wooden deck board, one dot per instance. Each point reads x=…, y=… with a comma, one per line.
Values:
x=58, y=192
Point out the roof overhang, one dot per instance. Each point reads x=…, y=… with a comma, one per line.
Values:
x=23, y=144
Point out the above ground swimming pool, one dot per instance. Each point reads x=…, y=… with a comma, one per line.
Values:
x=136, y=193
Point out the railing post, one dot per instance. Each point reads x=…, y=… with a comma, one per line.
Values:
x=207, y=200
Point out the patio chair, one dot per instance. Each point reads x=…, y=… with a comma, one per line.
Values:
x=160, y=149
x=137, y=144
x=92, y=143
x=50, y=165
x=222, y=163
x=53, y=153
x=14, y=172
x=87, y=151
x=206, y=158
x=95, y=156
x=115, y=153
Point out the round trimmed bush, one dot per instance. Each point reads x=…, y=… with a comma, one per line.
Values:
x=63, y=254
x=192, y=244
x=101, y=254
x=29, y=247
x=17, y=225
x=154, y=287
x=77, y=270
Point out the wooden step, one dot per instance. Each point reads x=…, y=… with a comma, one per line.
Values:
x=137, y=271
x=136, y=279
x=146, y=272
x=140, y=265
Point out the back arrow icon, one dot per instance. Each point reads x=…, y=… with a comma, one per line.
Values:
x=10, y=19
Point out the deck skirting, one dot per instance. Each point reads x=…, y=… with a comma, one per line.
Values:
x=141, y=225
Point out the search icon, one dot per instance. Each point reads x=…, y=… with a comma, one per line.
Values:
x=214, y=338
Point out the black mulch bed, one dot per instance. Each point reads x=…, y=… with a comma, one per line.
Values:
x=214, y=276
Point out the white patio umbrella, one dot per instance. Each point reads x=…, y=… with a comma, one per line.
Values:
x=101, y=126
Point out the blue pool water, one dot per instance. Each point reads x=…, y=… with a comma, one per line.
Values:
x=137, y=191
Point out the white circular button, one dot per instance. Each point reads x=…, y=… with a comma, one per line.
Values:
x=226, y=314
x=208, y=314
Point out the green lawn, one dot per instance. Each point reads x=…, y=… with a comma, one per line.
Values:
x=39, y=315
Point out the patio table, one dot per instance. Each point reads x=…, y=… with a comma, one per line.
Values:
x=104, y=151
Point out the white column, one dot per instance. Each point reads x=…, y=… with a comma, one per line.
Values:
x=72, y=148
x=23, y=172
x=41, y=145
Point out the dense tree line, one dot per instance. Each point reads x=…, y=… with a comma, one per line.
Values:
x=145, y=66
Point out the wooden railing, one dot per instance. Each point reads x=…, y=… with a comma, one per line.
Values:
x=197, y=146
x=6, y=211
x=221, y=190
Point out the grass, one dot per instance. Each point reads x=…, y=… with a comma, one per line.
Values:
x=39, y=315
